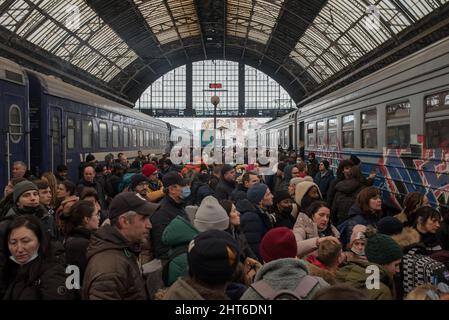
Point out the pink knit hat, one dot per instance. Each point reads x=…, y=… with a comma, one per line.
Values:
x=358, y=233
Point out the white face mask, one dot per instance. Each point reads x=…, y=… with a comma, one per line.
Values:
x=34, y=256
x=357, y=252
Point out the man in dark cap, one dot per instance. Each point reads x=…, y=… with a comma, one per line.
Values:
x=171, y=206
x=112, y=271
x=226, y=184
x=212, y=257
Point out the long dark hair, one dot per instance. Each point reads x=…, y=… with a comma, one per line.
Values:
x=424, y=213
x=74, y=218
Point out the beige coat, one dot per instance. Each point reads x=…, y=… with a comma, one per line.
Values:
x=306, y=234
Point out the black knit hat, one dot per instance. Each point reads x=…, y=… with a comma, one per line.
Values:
x=213, y=256
x=90, y=158
x=137, y=179
x=389, y=226
x=281, y=195
x=382, y=249
x=226, y=168
x=172, y=178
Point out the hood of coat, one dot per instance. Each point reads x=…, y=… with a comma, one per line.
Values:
x=348, y=186
x=288, y=172
x=109, y=238
x=179, y=231
x=321, y=271
x=408, y=237
x=302, y=188
x=355, y=274
x=283, y=270
x=245, y=205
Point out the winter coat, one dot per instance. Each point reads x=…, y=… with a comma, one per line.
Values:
x=6, y=204
x=167, y=211
x=112, y=185
x=224, y=189
x=245, y=248
x=155, y=191
x=287, y=177
x=282, y=274
x=313, y=167
x=324, y=182
x=346, y=192
x=37, y=280
x=354, y=274
x=254, y=223
x=187, y=289
x=178, y=234
x=201, y=190
x=239, y=193
x=443, y=234
x=284, y=220
x=76, y=246
x=356, y=216
x=306, y=234
x=317, y=269
x=112, y=271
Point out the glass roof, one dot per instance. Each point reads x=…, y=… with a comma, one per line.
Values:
x=157, y=15
x=72, y=31
x=255, y=18
x=339, y=37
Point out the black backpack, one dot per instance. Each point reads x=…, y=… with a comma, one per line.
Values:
x=301, y=292
x=166, y=262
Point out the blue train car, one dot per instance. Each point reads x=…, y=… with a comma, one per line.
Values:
x=69, y=123
x=14, y=122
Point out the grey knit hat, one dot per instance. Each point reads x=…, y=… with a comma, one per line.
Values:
x=23, y=187
x=256, y=193
x=211, y=216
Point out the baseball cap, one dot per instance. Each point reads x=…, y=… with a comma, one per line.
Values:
x=130, y=201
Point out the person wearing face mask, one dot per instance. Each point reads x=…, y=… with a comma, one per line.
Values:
x=283, y=207
x=313, y=227
x=357, y=244
x=171, y=206
x=31, y=272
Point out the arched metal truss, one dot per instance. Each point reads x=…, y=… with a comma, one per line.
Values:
x=122, y=46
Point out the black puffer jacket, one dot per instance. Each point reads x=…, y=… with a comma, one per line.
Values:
x=245, y=248
x=76, y=247
x=345, y=196
x=224, y=189
x=37, y=280
x=167, y=211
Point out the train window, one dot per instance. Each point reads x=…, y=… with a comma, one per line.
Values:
x=320, y=133
x=134, y=137
x=332, y=132
x=125, y=137
x=147, y=138
x=369, y=129
x=87, y=132
x=438, y=101
x=70, y=133
x=437, y=135
x=348, y=131
x=103, y=135
x=115, y=134
x=310, y=134
x=15, y=123
x=55, y=131
x=140, y=137
x=398, y=125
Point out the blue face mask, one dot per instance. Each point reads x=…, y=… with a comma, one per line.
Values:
x=185, y=193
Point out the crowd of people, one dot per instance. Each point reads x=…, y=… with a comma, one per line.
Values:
x=151, y=229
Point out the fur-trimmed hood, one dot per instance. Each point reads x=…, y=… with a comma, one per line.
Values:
x=408, y=237
x=317, y=271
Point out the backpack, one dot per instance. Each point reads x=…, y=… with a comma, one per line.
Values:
x=419, y=269
x=166, y=262
x=301, y=292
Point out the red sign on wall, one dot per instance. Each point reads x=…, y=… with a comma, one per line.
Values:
x=215, y=85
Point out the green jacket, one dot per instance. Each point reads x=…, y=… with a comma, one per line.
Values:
x=177, y=234
x=355, y=275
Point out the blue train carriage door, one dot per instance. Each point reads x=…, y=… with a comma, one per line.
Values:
x=14, y=144
x=57, y=146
